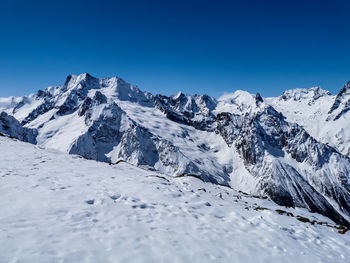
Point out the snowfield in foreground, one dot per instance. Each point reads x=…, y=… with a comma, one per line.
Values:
x=56, y=207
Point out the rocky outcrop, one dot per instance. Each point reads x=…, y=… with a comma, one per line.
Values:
x=11, y=127
x=341, y=103
x=194, y=110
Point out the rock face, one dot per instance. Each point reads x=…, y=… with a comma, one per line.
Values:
x=11, y=127
x=290, y=166
x=341, y=103
x=194, y=110
x=239, y=140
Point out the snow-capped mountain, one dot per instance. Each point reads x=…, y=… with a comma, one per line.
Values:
x=323, y=115
x=277, y=147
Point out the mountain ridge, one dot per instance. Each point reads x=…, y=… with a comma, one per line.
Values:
x=239, y=139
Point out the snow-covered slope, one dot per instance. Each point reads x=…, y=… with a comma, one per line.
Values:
x=238, y=140
x=56, y=207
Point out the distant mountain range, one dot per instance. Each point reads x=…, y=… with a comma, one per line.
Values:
x=294, y=149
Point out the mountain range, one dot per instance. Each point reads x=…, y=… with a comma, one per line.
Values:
x=293, y=149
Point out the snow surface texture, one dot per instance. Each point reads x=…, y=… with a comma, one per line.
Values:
x=239, y=140
x=56, y=207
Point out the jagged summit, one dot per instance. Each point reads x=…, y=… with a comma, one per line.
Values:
x=178, y=95
x=309, y=94
x=258, y=98
x=341, y=103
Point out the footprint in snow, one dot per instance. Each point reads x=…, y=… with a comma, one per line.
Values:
x=115, y=197
x=142, y=206
x=90, y=202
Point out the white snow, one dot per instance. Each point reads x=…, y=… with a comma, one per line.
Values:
x=60, y=133
x=56, y=207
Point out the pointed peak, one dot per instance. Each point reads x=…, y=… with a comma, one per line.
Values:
x=179, y=95
x=344, y=90
x=347, y=85
x=84, y=76
x=68, y=79
x=80, y=77
x=341, y=101
x=258, y=97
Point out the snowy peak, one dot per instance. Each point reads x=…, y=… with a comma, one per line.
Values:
x=310, y=94
x=112, y=87
x=66, y=99
x=178, y=96
x=240, y=102
x=85, y=80
x=258, y=98
x=192, y=104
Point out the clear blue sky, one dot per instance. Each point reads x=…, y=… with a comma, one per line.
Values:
x=165, y=46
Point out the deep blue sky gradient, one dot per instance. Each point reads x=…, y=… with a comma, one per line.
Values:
x=166, y=46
